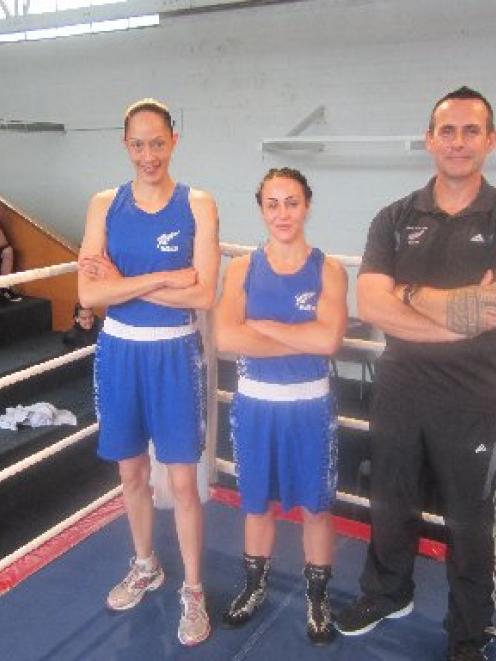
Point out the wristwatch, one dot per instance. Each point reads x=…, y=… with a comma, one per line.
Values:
x=408, y=293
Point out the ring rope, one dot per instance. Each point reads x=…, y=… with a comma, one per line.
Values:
x=350, y=423
x=236, y=250
x=37, y=274
x=227, y=249
x=40, y=368
x=37, y=457
x=367, y=346
x=78, y=354
x=362, y=345
x=59, y=528
x=228, y=467
x=24, y=464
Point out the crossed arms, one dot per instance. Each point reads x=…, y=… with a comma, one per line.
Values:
x=101, y=284
x=264, y=338
x=434, y=315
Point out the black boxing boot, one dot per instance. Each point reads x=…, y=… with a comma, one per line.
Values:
x=319, y=626
x=253, y=594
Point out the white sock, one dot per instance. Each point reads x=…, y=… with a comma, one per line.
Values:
x=145, y=564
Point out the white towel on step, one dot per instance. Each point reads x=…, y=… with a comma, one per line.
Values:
x=40, y=414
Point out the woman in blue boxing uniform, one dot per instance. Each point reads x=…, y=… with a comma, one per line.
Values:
x=283, y=311
x=150, y=255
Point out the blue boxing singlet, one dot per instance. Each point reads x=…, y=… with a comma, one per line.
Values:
x=289, y=298
x=139, y=242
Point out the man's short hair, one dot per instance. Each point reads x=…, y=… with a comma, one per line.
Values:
x=464, y=93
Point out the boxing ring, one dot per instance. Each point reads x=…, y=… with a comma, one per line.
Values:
x=51, y=545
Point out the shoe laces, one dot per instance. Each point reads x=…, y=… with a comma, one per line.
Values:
x=192, y=602
x=319, y=613
x=136, y=573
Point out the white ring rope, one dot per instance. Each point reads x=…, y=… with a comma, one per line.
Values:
x=350, y=423
x=353, y=423
x=235, y=250
x=227, y=249
x=362, y=345
x=40, y=368
x=228, y=467
x=36, y=458
x=59, y=528
x=37, y=274
x=223, y=396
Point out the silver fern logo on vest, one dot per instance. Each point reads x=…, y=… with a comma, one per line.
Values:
x=306, y=300
x=164, y=240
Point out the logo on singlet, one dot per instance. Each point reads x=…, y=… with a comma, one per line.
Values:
x=163, y=242
x=306, y=300
x=477, y=238
x=415, y=234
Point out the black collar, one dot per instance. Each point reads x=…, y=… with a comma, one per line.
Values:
x=484, y=202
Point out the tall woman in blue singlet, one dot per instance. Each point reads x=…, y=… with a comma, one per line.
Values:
x=283, y=311
x=150, y=255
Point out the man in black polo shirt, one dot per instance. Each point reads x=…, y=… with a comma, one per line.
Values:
x=427, y=280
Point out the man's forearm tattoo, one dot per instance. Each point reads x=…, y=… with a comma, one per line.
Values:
x=471, y=310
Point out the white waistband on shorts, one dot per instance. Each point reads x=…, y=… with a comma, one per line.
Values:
x=145, y=333
x=277, y=392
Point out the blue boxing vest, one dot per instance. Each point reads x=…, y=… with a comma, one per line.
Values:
x=139, y=242
x=290, y=298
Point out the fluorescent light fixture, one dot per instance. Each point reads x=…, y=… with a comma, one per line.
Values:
x=36, y=35
x=13, y=36
x=82, y=28
x=110, y=26
x=144, y=21
x=71, y=30
x=15, y=8
x=105, y=2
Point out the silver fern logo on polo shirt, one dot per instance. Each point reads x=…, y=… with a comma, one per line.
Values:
x=306, y=300
x=163, y=242
x=415, y=234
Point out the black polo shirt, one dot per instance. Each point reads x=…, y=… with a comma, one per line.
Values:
x=413, y=241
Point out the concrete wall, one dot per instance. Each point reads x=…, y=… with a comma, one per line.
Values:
x=233, y=78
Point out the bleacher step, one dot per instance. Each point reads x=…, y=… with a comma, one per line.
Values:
x=29, y=351
x=27, y=318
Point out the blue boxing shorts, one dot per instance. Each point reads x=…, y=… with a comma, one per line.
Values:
x=285, y=448
x=150, y=383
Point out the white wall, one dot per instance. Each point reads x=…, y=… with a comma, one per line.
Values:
x=233, y=78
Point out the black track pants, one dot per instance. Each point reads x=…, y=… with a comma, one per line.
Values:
x=459, y=447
